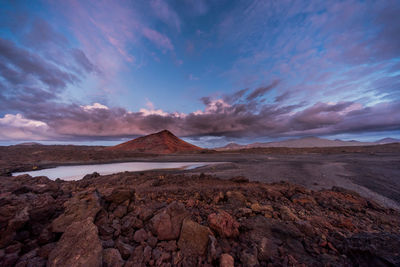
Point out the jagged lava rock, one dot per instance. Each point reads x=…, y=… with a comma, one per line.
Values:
x=167, y=223
x=224, y=224
x=280, y=223
x=79, y=246
x=112, y=258
x=193, y=240
x=226, y=260
x=82, y=206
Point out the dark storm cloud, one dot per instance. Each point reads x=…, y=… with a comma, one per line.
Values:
x=23, y=61
x=42, y=37
x=318, y=116
x=74, y=122
x=272, y=121
x=282, y=97
x=39, y=69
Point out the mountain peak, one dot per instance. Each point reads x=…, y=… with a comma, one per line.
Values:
x=165, y=131
x=388, y=140
x=163, y=142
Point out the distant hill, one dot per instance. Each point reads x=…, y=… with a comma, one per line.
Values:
x=29, y=144
x=301, y=142
x=163, y=142
x=388, y=140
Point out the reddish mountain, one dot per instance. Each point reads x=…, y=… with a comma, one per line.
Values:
x=163, y=142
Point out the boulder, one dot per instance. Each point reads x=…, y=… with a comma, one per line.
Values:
x=287, y=214
x=18, y=221
x=224, y=224
x=193, y=240
x=80, y=207
x=112, y=258
x=136, y=258
x=140, y=236
x=266, y=249
x=373, y=249
x=120, y=195
x=169, y=246
x=91, y=176
x=46, y=249
x=256, y=207
x=239, y=179
x=249, y=259
x=236, y=198
x=124, y=249
x=226, y=260
x=120, y=211
x=166, y=225
x=147, y=254
x=78, y=246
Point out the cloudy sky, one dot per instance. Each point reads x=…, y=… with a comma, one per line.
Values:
x=211, y=71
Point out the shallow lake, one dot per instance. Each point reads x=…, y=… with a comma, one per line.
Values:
x=77, y=172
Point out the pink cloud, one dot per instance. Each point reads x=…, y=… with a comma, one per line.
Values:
x=165, y=13
x=158, y=38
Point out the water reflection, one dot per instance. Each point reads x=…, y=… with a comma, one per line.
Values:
x=77, y=172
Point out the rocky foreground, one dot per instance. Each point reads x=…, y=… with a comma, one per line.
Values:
x=175, y=220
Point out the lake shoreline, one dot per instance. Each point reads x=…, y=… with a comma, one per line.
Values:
x=77, y=172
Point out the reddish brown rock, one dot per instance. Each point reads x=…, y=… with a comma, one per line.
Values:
x=226, y=260
x=80, y=207
x=223, y=223
x=239, y=179
x=120, y=195
x=276, y=225
x=120, y=211
x=112, y=258
x=163, y=142
x=267, y=249
x=167, y=223
x=236, y=198
x=256, y=207
x=140, y=236
x=46, y=249
x=193, y=240
x=8, y=232
x=78, y=246
x=169, y=246
x=303, y=199
x=124, y=248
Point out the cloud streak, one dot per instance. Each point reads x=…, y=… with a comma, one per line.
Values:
x=236, y=119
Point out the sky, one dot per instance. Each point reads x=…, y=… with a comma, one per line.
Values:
x=211, y=71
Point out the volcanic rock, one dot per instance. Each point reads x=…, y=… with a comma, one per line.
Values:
x=167, y=223
x=239, y=179
x=226, y=260
x=281, y=224
x=140, y=236
x=120, y=195
x=81, y=207
x=78, y=246
x=163, y=142
x=125, y=249
x=112, y=258
x=193, y=240
x=223, y=223
x=376, y=249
